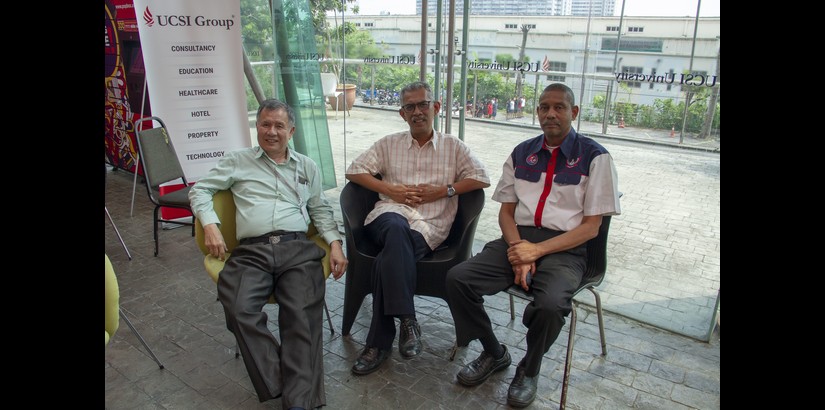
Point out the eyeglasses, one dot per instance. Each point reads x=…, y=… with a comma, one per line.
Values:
x=423, y=105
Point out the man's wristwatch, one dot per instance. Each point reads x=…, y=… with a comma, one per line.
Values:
x=450, y=191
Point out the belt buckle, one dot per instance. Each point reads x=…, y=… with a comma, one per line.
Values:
x=274, y=239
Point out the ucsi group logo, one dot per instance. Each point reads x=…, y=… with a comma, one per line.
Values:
x=184, y=21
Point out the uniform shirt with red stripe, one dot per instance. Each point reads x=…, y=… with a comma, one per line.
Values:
x=584, y=182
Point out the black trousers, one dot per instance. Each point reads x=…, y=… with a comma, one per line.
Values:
x=292, y=272
x=393, y=275
x=489, y=272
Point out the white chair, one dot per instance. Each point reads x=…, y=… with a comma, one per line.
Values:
x=330, y=84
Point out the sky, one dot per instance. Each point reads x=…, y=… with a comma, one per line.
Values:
x=632, y=7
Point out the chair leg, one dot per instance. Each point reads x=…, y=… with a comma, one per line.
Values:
x=155, y=229
x=512, y=309
x=567, y=363
x=129, y=323
x=601, y=319
x=353, y=299
x=329, y=320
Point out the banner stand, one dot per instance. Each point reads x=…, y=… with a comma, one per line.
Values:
x=137, y=160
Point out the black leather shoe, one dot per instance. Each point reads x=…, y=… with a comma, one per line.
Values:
x=481, y=368
x=522, y=390
x=409, y=343
x=370, y=360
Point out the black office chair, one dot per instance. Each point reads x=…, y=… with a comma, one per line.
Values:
x=593, y=276
x=160, y=165
x=356, y=203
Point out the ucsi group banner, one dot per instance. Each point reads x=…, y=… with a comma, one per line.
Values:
x=194, y=71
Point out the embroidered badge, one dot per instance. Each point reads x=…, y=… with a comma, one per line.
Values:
x=572, y=162
x=532, y=159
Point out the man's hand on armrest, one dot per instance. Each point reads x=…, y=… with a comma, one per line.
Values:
x=213, y=239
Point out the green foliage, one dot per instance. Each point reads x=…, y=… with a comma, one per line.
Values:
x=319, y=9
x=386, y=77
x=505, y=58
x=360, y=44
x=330, y=39
x=489, y=85
x=256, y=21
x=599, y=101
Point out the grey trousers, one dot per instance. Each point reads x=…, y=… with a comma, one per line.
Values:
x=556, y=278
x=291, y=271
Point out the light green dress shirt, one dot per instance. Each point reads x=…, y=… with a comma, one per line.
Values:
x=268, y=196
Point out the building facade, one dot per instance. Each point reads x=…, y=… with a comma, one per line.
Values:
x=652, y=62
x=526, y=7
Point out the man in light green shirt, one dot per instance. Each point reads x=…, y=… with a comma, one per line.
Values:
x=277, y=193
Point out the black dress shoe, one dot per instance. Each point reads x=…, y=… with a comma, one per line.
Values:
x=522, y=390
x=481, y=368
x=409, y=343
x=369, y=360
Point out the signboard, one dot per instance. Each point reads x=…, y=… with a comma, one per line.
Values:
x=193, y=62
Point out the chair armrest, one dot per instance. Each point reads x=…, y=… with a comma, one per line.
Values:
x=356, y=203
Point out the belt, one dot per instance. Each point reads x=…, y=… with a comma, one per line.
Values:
x=274, y=237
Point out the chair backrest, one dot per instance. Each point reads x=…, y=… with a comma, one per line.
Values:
x=357, y=201
x=157, y=156
x=464, y=226
x=112, y=300
x=597, y=256
x=329, y=83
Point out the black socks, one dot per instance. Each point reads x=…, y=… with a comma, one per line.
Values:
x=493, y=347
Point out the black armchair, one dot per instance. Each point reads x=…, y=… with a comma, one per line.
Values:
x=356, y=202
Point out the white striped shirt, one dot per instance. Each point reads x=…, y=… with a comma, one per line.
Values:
x=444, y=159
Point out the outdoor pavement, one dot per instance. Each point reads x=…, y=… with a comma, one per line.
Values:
x=659, y=297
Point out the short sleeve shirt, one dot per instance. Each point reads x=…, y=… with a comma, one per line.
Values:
x=585, y=182
x=442, y=160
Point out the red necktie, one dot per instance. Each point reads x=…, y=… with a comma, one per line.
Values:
x=548, y=184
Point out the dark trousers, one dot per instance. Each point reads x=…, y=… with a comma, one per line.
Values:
x=556, y=278
x=393, y=275
x=292, y=272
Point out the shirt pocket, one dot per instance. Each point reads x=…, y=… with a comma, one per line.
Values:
x=567, y=178
x=303, y=192
x=527, y=174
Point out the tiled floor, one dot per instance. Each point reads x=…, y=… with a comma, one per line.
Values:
x=172, y=303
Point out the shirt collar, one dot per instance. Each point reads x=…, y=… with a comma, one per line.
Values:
x=566, y=146
x=259, y=153
x=435, y=139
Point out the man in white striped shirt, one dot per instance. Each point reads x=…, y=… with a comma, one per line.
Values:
x=422, y=173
